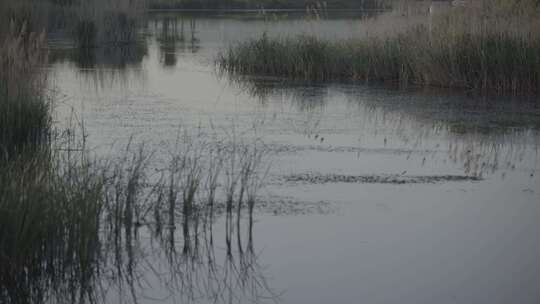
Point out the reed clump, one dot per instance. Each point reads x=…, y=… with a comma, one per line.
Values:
x=49, y=241
x=99, y=23
x=63, y=214
x=24, y=107
x=485, y=49
x=265, y=4
x=91, y=23
x=59, y=208
x=109, y=27
x=49, y=205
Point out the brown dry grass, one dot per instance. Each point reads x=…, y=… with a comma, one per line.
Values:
x=492, y=47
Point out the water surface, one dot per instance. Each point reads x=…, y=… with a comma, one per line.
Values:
x=375, y=195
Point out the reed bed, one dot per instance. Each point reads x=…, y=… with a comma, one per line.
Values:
x=91, y=23
x=111, y=23
x=24, y=107
x=49, y=205
x=49, y=242
x=265, y=4
x=485, y=49
x=63, y=213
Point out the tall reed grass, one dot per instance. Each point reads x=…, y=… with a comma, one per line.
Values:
x=24, y=107
x=265, y=4
x=99, y=22
x=91, y=23
x=61, y=210
x=49, y=207
x=49, y=234
x=485, y=49
x=63, y=214
x=59, y=205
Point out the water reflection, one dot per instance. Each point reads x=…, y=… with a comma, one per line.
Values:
x=201, y=272
x=305, y=96
x=190, y=32
x=444, y=167
x=173, y=36
x=168, y=37
x=105, y=67
x=366, y=146
x=130, y=263
x=483, y=136
x=112, y=57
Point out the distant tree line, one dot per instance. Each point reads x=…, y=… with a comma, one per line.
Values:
x=209, y=4
x=264, y=4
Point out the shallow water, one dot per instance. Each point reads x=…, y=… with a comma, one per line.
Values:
x=375, y=195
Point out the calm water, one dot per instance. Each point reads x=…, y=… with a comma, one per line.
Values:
x=375, y=195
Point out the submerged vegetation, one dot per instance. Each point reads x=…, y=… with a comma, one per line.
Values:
x=493, y=48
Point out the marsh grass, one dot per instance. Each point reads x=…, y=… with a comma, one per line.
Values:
x=208, y=175
x=106, y=28
x=91, y=24
x=484, y=49
x=99, y=23
x=24, y=106
x=264, y=4
x=49, y=241
x=63, y=211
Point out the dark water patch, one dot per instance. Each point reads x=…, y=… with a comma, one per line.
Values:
x=316, y=178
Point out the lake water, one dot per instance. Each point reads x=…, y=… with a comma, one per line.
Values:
x=375, y=195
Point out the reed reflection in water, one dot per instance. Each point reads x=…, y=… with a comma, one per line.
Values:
x=150, y=263
x=115, y=232
x=174, y=36
x=482, y=136
x=140, y=263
